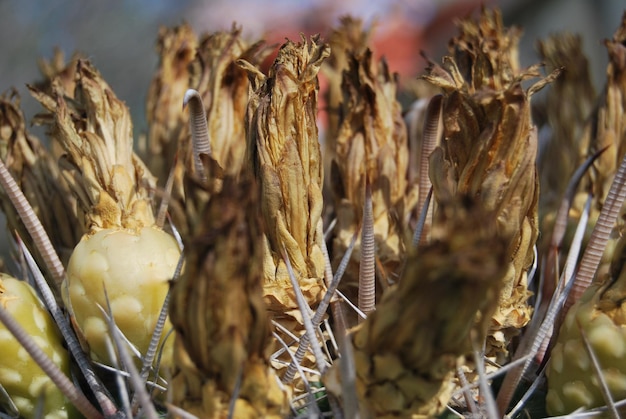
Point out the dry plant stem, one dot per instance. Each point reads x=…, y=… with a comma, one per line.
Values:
x=371, y=148
x=367, y=270
x=489, y=151
x=114, y=192
x=198, y=127
x=433, y=130
x=33, y=225
x=168, y=124
x=55, y=374
x=568, y=105
x=406, y=351
x=217, y=308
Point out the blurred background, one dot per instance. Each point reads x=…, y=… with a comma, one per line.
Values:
x=119, y=35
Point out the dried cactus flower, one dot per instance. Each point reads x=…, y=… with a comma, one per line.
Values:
x=38, y=176
x=209, y=66
x=349, y=38
x=606, y=129
x=219, y=314
x=19, y=373
x=569, y=103
x=599, y=317
x=59, y=70
x=488, y=150
x=572, y=380
x=123, y=251
x=371, y=147
x=610, y=121
x=167, y=120
x=225, y=86
x=285, y=153
x=406, y=351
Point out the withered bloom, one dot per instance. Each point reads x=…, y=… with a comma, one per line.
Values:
x=371, y=147
x=488, y=150
x=208, y=65
x=285, y=154
x=598, y=318
x=38, y=176
x=63, y=73
x=608, y=128
x=167, y=120
x=224, y=86
x=569, y=103
x=122, y=250
x=219, y=315
x=349, y=38
x=406, y=351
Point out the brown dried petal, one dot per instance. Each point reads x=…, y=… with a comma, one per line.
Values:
x=37, y=174
x=489, y=151
x=371, y=147
x=95, y=131
x=219, y=314
x=406, y=351
x=167, y=120
x=285, y=153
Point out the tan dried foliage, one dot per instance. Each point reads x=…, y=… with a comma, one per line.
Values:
x=489, y=149
x=285, y=153
x=349, y=38
x=207, y=64
x=406, y=351
x=371, y=147
x=569, y=102
x=167, y=120
x=608, y=127
x=219, y=314
x=111, y=183
x=224, y=86
x=38, y=176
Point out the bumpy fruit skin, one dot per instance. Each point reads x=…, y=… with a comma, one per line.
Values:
x=572, y=380
x=19, y=374
x=135, y=267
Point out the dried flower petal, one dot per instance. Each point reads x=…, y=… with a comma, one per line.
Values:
x=284, y=148
x=371, y=147
x=219, y=314
x=406, y=351
x=38, y=175
x=569, y=102
x=489, y=150
x=167, y=120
